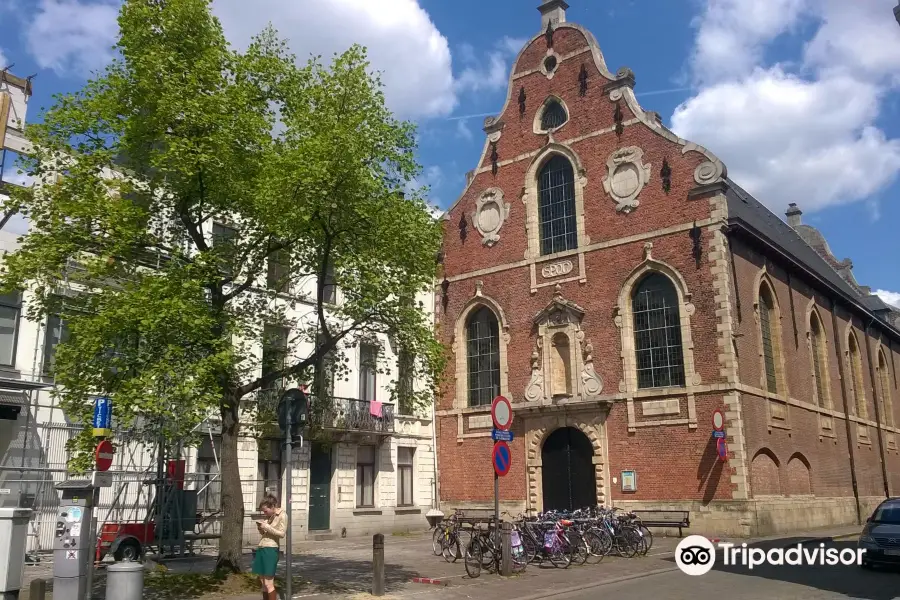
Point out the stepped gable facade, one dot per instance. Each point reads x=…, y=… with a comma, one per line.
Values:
x=608, y=278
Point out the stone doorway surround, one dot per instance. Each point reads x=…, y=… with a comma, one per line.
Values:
x=539, y=425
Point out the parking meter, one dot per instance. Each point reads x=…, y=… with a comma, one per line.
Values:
x=72, y=552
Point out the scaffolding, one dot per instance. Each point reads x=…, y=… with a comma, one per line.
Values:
x=183, y=506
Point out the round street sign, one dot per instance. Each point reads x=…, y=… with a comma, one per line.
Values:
x=502, y=458
x=722, y=449
x=501, y=413
x=103, y=455
x=718, y=419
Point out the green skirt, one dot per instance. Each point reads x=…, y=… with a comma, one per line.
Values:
x=265, y=561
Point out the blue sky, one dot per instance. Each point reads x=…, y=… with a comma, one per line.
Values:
x=798, y=97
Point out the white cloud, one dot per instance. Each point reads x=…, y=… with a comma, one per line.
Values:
x=403, y=42
x=463, y=131
x=494, y=74
x=69, y=35
x=3, y=62
x=892, y=298
x=731, y=34
x=802, y=133
x=858, y=37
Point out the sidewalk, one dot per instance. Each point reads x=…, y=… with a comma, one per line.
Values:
x=343, y=568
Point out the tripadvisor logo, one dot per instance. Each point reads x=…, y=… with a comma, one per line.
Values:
x=696, y=555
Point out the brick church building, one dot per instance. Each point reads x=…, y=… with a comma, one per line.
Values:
x=608, y=278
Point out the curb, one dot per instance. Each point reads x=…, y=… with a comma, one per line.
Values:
x=595, y=584
x=430, y=581
x=823, y=539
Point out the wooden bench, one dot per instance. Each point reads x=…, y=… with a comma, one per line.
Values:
x=680, y=519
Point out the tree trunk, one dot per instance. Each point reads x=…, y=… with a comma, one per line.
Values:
x=229, y=559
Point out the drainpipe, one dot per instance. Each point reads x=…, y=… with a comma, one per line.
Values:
x=839, y=347
x=876, y=395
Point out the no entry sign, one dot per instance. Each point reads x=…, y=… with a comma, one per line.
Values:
x=722, y=449
x=103, y=455
x=502, y=458
x=501, y=413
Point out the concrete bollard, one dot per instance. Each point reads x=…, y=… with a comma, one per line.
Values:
x=125, y=581
x=38, y=589
x=505, y=549
x=378, y=564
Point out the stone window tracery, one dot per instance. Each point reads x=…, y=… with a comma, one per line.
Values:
x=856, y=376
x=553, y=115
x=556, y=206
x=480, y=340
x=483, y=353
x=659, y=356
x=677, y=308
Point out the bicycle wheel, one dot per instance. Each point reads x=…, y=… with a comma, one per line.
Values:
x=647, y=538
x=519, y=560
x=451, y=548
x=437, y=541
x=559, y=558
x=577, y=549
x=531, y=547
x=596, y=547
x=629, y=542
x=474, y=558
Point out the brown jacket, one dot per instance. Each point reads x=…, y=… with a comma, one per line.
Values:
x=273, y=529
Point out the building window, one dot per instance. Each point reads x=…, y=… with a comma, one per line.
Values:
x=405, y=475
x=767, y=317
x=10, y=310
x=820, y=362
x=483, y=344
x=887, y=403
x=368, y=368
x=278, y=272
x=268, y=472
x=554, y=115
x=856, y=376
x=57, y=333
x=274, y=352
x=224, y=237
x=365, y=476
x=208, y=482
x=556, y=206
x=657, y=333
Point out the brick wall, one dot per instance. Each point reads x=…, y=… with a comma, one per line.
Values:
x=801, y=436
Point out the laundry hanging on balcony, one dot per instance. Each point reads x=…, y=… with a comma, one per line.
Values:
x=375, y=409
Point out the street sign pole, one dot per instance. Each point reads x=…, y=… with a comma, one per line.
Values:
x=289, y=550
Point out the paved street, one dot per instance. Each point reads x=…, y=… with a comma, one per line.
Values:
x=343, y=568
x=819, y=583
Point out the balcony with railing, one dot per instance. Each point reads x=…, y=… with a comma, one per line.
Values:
x=348, y=414
x=341, y=414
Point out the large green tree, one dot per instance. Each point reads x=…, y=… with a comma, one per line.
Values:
x=306, y=165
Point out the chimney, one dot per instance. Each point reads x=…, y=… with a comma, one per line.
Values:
x=793, y=214
x=552, y=11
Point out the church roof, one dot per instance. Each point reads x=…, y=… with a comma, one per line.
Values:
x=744, y=209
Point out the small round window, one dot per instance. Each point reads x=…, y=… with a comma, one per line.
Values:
x=550, y=64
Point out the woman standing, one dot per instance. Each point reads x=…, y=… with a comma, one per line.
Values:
x=271, y=530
